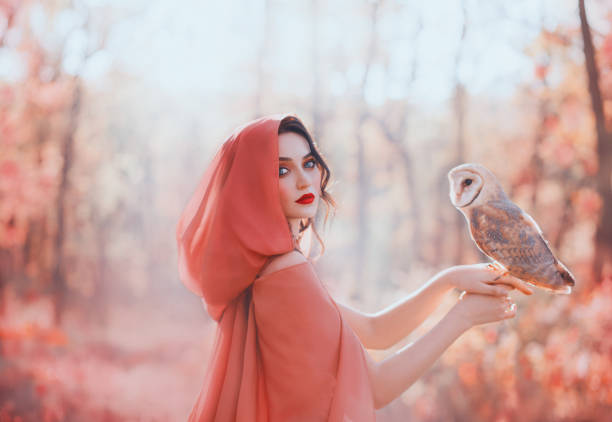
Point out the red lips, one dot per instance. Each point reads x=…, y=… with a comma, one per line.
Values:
x=306, y=199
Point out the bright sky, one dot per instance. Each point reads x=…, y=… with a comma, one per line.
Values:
x=210, y=48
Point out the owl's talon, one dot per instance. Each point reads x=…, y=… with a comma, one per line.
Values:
x=498, y=268
x=501, y=275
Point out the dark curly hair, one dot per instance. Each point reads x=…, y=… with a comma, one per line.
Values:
x=295, y=125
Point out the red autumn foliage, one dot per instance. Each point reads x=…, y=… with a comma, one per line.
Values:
x=552, y=363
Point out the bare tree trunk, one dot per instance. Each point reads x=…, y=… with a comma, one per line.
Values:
x=6, y=270
x=363, y=197
x=566, y=220
x=33, y=248
x=59, y=270
x=459, y=108
x=536, y=164
x=260, y=59
x=439, y=236
x=406, y=159
x=317, y=112
x=101, y=290
x=319, y=117
x=603, y=234
x=148, y=220
x=396, y=136
x=363, y=190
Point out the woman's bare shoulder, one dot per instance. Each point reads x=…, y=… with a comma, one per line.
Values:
x=279, y=262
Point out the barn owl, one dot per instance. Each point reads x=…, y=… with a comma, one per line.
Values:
x=504, y=232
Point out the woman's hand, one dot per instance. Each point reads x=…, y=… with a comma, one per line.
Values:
x=480, y=278
x=474, y=309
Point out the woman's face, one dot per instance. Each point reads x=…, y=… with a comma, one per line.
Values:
x=298, y=174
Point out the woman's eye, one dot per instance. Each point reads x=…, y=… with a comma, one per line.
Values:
x=280, y=173
x=314, y=164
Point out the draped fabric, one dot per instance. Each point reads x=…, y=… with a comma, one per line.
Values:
x=282, y=351
x=314, y=364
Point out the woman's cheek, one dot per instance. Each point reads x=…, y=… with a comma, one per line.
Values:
x=317, y=183
x=284, y=194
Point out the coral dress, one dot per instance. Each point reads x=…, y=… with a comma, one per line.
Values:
x=289, y=357
x=282, y=351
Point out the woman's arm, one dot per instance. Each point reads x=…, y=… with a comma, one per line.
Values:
x=360, y=322
x=395, y=322
x=388, y=326
x=383, y=329
x=398, y=320
x=395, y=374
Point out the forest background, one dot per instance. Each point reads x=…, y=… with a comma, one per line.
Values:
x=110, y=112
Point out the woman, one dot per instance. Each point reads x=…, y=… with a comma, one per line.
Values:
x=285, y=350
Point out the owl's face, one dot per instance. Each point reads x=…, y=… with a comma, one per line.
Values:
x=472, y=184
x=465, y=186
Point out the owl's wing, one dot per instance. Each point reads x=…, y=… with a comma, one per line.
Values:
x=506, y=233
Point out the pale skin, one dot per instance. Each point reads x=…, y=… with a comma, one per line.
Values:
x=484, y=299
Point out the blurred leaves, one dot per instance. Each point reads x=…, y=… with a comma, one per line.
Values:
x=139, y=149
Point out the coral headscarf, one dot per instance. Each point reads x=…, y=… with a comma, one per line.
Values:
x=232, y=224
x=234, y=221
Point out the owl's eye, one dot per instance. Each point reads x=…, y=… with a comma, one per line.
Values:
x=467, y=182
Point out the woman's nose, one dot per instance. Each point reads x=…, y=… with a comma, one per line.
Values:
x=303, y=180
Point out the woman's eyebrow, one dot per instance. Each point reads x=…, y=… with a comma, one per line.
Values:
x=289, y=159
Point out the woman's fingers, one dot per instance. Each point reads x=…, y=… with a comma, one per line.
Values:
x=511, y=282
x=510, y=310
x=497, y=289
x=517, y=283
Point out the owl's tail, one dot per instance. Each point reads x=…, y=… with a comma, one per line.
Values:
x=566, y=275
